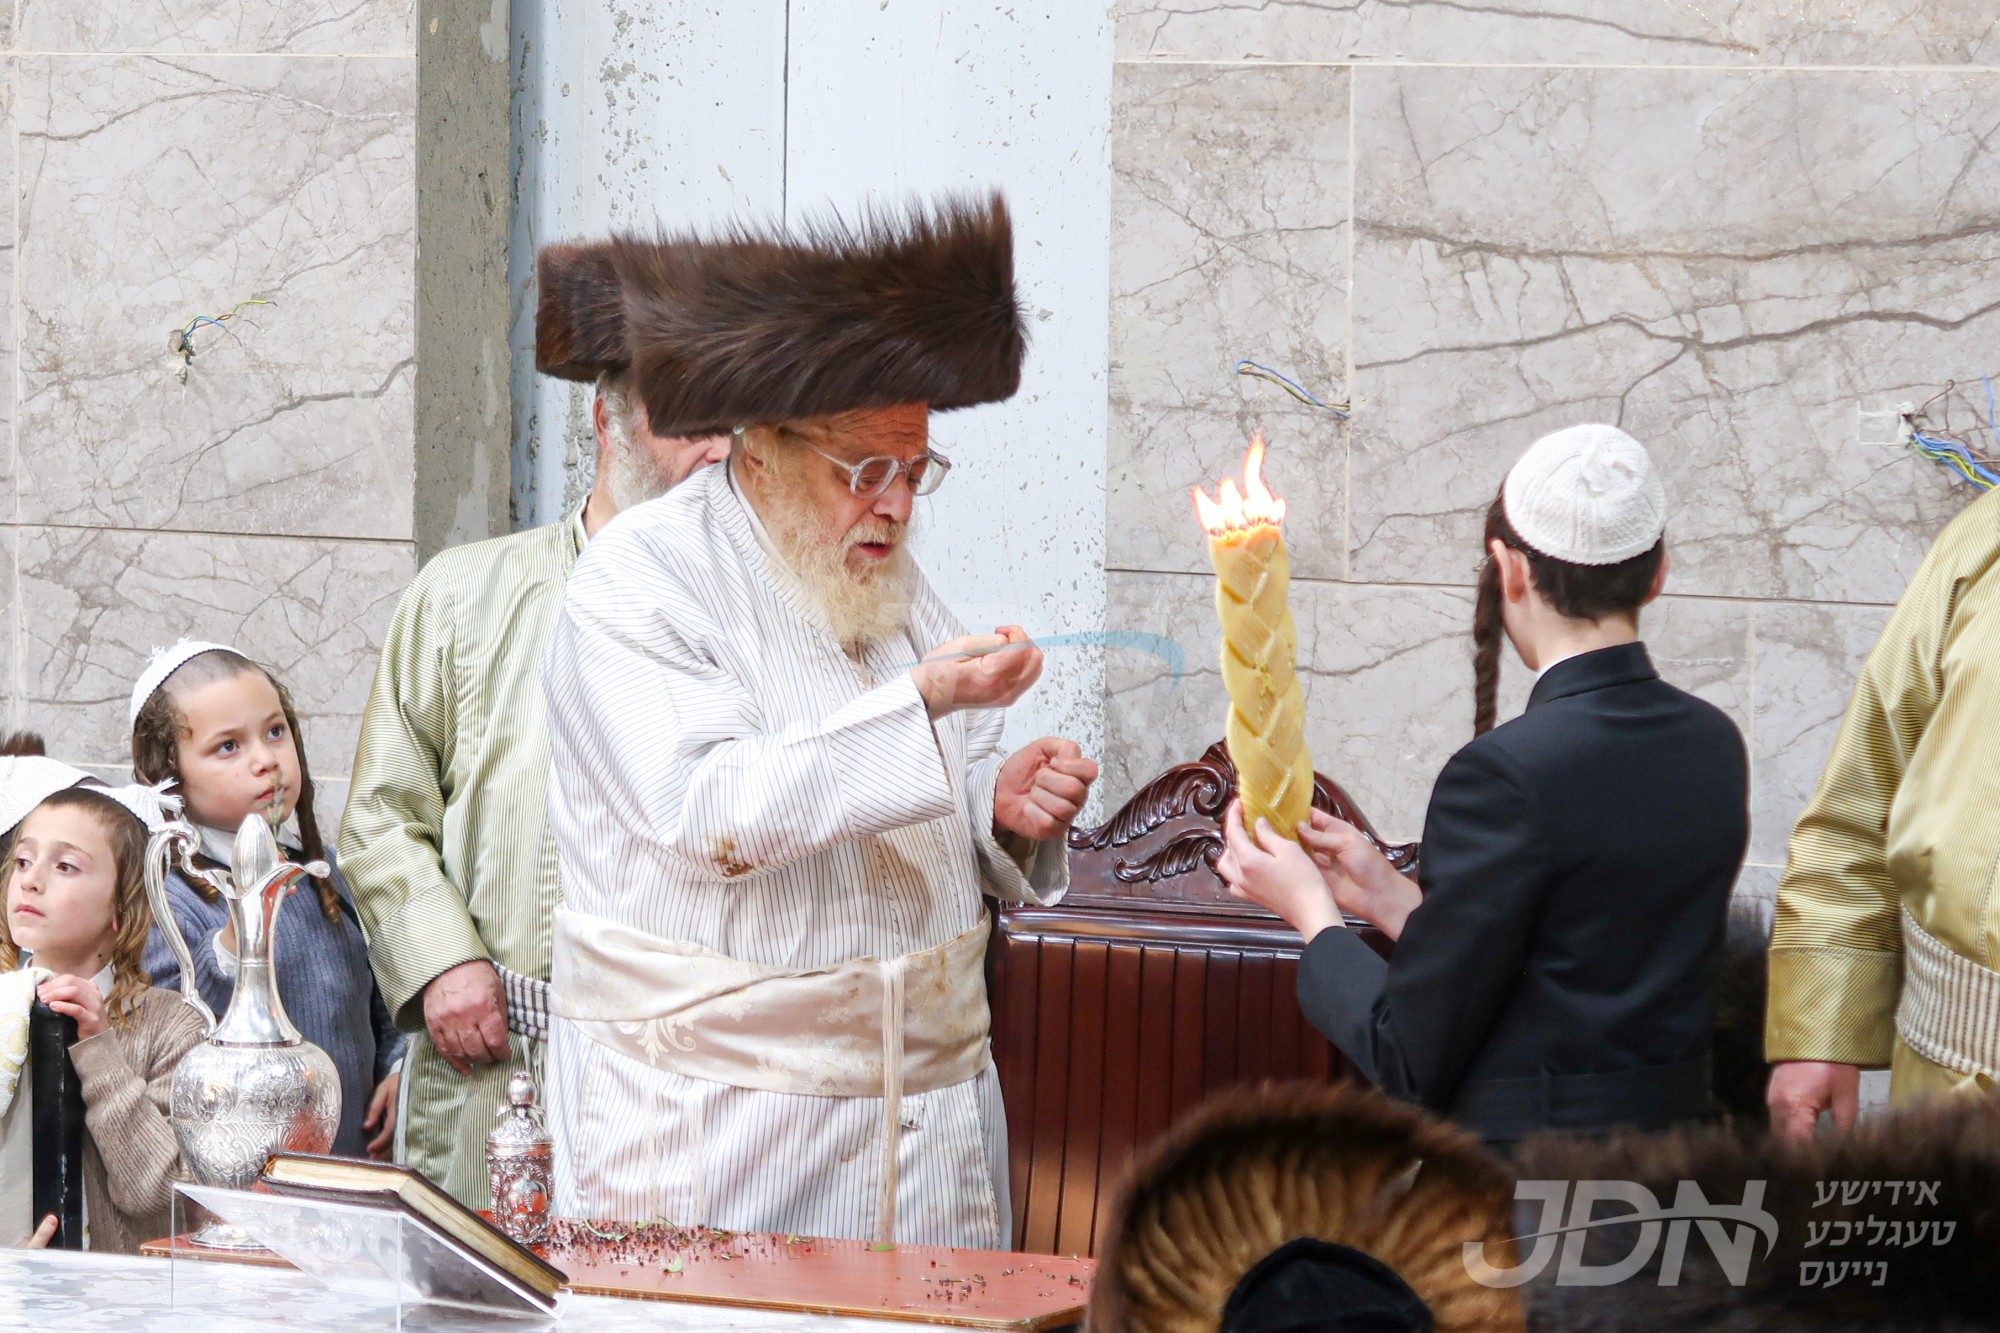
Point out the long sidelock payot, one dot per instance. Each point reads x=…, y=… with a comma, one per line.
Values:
x=1266, y=727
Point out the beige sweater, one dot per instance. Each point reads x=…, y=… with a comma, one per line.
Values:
x=130, y=1156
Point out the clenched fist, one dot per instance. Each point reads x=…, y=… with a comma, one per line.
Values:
x=1041, y=788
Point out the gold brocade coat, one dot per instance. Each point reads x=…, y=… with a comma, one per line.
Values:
x=445, y=841
x=1907, y=814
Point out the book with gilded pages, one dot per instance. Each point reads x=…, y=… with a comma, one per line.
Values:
x=489, y=1252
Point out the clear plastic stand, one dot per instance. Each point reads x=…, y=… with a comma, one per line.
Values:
x=366, y=1268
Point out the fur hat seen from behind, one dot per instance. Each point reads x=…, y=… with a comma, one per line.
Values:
x=1255, y=1170
x=766, y=326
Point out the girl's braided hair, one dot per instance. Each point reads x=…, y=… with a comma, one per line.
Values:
x=160, y=727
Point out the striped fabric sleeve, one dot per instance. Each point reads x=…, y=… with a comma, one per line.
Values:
x=392, y=833
x=1017, y=870
x=1836, y=948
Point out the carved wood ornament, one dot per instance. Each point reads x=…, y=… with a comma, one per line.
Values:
x=1163, y=843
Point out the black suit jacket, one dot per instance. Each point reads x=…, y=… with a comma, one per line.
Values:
x=1576, y=871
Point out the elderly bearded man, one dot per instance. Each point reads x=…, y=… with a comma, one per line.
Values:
x=445, y=841
x=775, y=831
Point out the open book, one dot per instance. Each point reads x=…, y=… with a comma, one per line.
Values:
x=457, y=1228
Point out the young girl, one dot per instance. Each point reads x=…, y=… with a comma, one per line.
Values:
x=76, y=901
x=1559, y=967
x=221, y=727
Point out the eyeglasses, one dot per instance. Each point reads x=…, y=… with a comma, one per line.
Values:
x=872, y=476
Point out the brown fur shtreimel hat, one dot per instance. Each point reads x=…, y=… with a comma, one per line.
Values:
x=761, y=326
x=1267, y=1201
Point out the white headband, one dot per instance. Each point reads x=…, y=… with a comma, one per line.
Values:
x=151, y=806
x=165, y=662
x=28, y=780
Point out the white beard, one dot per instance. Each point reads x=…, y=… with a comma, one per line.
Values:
x=861, y=611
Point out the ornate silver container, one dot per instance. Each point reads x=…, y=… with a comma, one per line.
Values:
x=256, y=1086
x=520, y=1164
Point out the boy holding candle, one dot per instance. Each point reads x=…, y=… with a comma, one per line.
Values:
x=1557, y=965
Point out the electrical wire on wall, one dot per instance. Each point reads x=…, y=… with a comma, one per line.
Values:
x=1932, y=436
x=181, y=341
x=1251, y=370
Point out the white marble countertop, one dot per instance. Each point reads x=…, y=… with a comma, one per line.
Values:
x=58, y=1292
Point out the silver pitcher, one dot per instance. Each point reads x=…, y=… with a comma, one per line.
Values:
x=256, y=1086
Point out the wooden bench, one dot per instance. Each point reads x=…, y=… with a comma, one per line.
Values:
x=1144, y=992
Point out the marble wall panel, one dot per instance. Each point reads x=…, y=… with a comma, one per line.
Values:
x=1229, y=242
x=1881, y=32
x=155, y=189
x=1808, y=658
x=1229, y=207
x=1387, y=675
x=13, y=714
x=1652, y=32
x=1159, y=453
x=1388, y=680
x=93, y=606
x=352, y=27
x=1727, y=264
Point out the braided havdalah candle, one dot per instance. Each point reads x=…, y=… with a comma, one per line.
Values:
x=1267, y=714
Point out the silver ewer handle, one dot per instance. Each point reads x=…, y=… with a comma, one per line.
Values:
x=175, y=841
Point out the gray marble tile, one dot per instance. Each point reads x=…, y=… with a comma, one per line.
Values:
x=1229, y=242
x=1650, y=32
x=283, y=178
x=1157, y=455
x=297, y=27
x=1229, y=214
x=1536, y=248
x=95, y=604
x=1387, y=674
x=13, y=709
x=1808, y=658
x=1881, y=32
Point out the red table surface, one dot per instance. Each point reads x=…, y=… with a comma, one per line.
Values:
x=914, y=1283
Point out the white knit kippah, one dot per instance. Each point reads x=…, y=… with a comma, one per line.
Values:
x=1587, y=495
x=165, y=662
x=28, y=780
x=151, y=806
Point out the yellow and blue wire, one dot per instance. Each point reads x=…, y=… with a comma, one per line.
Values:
x=1974, y=468
x=1258, y=372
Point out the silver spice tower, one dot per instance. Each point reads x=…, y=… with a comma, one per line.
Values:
x=520, y=1164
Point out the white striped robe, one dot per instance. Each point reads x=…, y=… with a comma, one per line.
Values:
x=725, y=775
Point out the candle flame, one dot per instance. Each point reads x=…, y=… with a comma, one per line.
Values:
x=1238, y=511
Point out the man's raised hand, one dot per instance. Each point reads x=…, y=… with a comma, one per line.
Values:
x=978, y=671
x=1041, y=788
x=465, y=1012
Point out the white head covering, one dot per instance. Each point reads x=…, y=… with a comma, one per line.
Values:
x=151, y=806
x=1587, y=495
x=28, y=780
x=165, y=662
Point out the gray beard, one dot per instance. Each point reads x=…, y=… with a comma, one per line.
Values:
x=631, y=476
x=862, y=612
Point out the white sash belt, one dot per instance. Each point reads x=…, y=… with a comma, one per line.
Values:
x=842, y=1031
x=1949, y=1011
